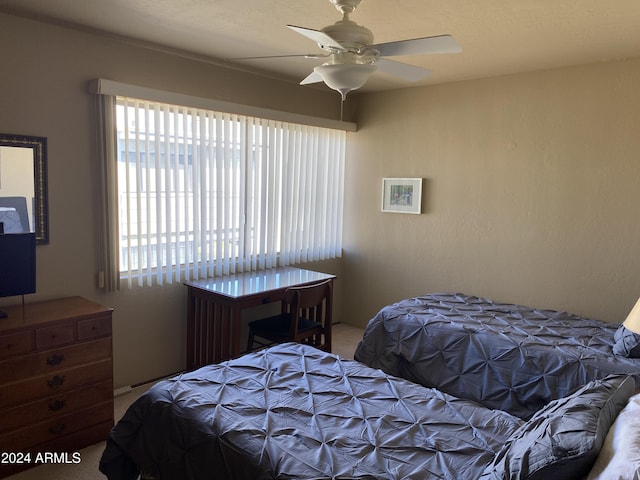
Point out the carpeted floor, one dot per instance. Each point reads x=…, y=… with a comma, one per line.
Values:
x=344, y=342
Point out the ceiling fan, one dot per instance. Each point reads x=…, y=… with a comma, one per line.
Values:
x=352, y=57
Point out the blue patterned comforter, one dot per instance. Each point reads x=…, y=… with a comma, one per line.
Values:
x=295, y=412
x=508, y=357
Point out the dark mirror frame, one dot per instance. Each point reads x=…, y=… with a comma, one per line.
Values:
x=39, y=147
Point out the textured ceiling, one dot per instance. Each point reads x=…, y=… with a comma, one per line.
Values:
x=497, y=36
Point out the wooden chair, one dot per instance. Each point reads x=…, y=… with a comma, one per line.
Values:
x=305, y=318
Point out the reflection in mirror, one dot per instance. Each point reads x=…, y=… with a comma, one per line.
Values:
x=23, y=185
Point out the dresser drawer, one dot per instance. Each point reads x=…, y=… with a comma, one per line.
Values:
x=94, y=327
x=63, y=381
x=16, y=344
x=47, y=337
x=58, y=405
x=57, y=427
x=52, y=361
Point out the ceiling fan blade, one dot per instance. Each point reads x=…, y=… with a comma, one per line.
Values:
x=317, y=36
x=293, y=55
x=419, y=46
x=402, y=70
x=313, y=77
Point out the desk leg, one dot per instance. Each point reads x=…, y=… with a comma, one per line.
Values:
x=213, y=331
x=191, y=331
x=235, y=331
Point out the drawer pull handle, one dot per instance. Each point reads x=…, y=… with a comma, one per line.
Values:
x=55, y=359
x=56, y=405
x=58, y=429
x=56, y=381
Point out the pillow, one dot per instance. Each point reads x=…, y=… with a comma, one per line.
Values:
x=620, y=454
x=627, y=343
x=562, y=440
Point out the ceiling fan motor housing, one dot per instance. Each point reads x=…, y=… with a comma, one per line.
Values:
x=353, y=37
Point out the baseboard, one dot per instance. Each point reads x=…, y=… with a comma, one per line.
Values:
x=122, y=390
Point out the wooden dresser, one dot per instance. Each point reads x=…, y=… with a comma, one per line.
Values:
x=56, y=381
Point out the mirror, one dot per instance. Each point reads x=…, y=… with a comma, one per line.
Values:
x=23, y=185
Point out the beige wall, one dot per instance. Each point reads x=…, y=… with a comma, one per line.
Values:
x=45, y=94
x=531, y=192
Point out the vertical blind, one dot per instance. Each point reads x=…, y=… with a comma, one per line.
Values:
x=203, y=193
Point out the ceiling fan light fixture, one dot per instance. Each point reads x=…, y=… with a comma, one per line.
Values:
x=345, y=77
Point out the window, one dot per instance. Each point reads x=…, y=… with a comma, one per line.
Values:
x=203, y=193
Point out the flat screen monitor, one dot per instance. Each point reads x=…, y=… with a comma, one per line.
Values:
x=17, y=264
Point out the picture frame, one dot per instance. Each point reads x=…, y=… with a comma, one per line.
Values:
x=402, y=195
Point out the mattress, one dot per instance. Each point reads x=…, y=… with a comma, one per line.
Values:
x=295, y=412
x=505, y=356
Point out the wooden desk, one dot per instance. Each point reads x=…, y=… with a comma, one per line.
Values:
x=215, y=304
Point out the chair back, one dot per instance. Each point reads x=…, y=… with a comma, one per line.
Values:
x=310, y=303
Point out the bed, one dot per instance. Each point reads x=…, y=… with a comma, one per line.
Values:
x=295, y=412
x=508, y=357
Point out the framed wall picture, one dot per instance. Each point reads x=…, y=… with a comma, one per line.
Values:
x=402, y=195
